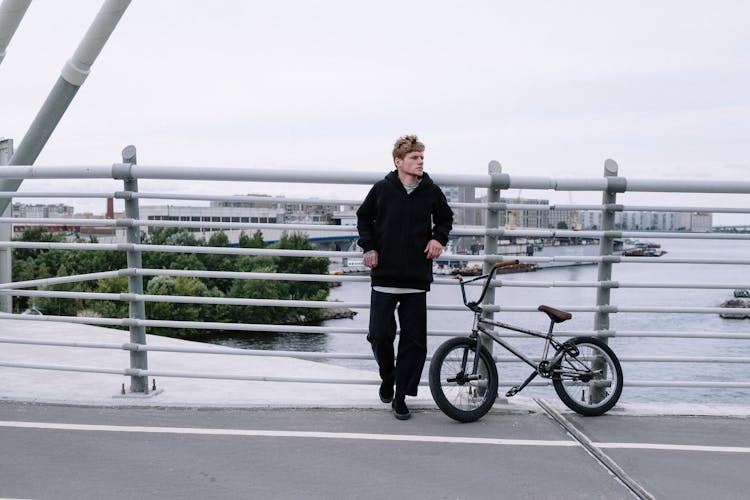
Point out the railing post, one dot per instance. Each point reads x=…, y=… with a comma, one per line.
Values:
x=494, y=169
x=606, y=247
x=6, y=233
x=137, y=309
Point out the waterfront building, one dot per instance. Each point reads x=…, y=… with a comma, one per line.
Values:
x=24, y=210
x=306, y=213
x=215, y=212
x=651, y=221
x=275, y=210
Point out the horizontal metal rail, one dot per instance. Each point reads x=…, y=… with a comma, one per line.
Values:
x=54, y=194
x=67, y=222
x=61, y=279
x=314, y=304
x=675, y=334
x=260, y=327
x=336, y=278
x=322, y=253
x=189, y=299
x=157, y=373
x=246, y=225
x=124, y=247
x=235, y=198
x=125, y=195
x=308, y=380
x=478, y=205
x=457, y=231
x=219, y=174
x=669, y=208
x=618, y=284
x=331, y=355
x=247, y=327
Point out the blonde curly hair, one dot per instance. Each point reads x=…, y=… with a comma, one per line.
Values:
x=405, y=145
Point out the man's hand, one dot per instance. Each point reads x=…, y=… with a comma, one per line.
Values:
x=370, y=259
x=433, y=249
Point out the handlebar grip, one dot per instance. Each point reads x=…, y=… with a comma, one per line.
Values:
x=506, y=263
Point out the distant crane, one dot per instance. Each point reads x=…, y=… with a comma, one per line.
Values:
x=574, y=225
x=513, y=214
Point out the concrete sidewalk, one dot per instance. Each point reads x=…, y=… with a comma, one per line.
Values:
x=79, y=388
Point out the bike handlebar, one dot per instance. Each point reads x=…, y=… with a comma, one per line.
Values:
x=506, y=263
x=474, y=306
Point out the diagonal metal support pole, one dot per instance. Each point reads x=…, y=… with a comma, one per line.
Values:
x=11, y=14
x=71, y=78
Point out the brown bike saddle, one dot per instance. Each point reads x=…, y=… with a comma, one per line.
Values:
x=555, y=315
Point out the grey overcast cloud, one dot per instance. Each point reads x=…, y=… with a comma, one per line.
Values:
x=547, y=88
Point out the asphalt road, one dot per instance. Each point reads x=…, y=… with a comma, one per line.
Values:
x=65, y=452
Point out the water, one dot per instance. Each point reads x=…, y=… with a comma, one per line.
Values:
x=565, y=297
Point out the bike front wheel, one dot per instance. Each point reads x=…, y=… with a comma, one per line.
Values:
x=588, y=377
x=459, y=393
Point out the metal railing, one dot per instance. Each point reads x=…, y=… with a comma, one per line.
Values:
x=129, y=173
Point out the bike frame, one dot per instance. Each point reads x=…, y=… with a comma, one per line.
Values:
x=481, y=324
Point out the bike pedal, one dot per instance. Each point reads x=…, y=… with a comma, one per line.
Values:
x=512, y=392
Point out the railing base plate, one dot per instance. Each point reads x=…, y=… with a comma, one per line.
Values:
x=138, y=395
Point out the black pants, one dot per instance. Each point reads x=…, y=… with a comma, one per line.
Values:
x=412, y=342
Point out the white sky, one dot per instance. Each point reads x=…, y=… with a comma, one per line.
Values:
x=547, y=88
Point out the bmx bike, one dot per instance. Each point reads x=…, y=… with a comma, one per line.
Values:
x=585, y=372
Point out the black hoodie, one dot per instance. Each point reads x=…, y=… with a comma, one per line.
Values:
x=399, y=226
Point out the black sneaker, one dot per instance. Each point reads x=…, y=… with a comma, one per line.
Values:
x=400, y=411
x=386, y=392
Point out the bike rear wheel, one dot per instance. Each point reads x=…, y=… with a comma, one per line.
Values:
x=589, y=382
x=461, y=395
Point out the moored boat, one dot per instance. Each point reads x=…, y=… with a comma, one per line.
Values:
x=636, y=248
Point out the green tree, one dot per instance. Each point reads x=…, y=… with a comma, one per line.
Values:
x=302, y=290
x=175, y=311
x=257, y=289
x=219, y=262
x=218, y=313
x=31, y=264
x=111, y=308
x=59, y=306
x=255, y=263
x=35, y=234
x=255, y=242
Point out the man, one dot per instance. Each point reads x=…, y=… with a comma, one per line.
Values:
x=403, y=225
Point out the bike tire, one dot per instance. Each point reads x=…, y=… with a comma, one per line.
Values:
x=464, y=401
x=580, y=393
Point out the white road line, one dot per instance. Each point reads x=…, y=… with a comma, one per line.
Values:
x=363, y=436
x=293, y=434
x=674, y=447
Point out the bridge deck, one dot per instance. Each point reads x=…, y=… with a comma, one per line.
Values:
x=327, y=440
